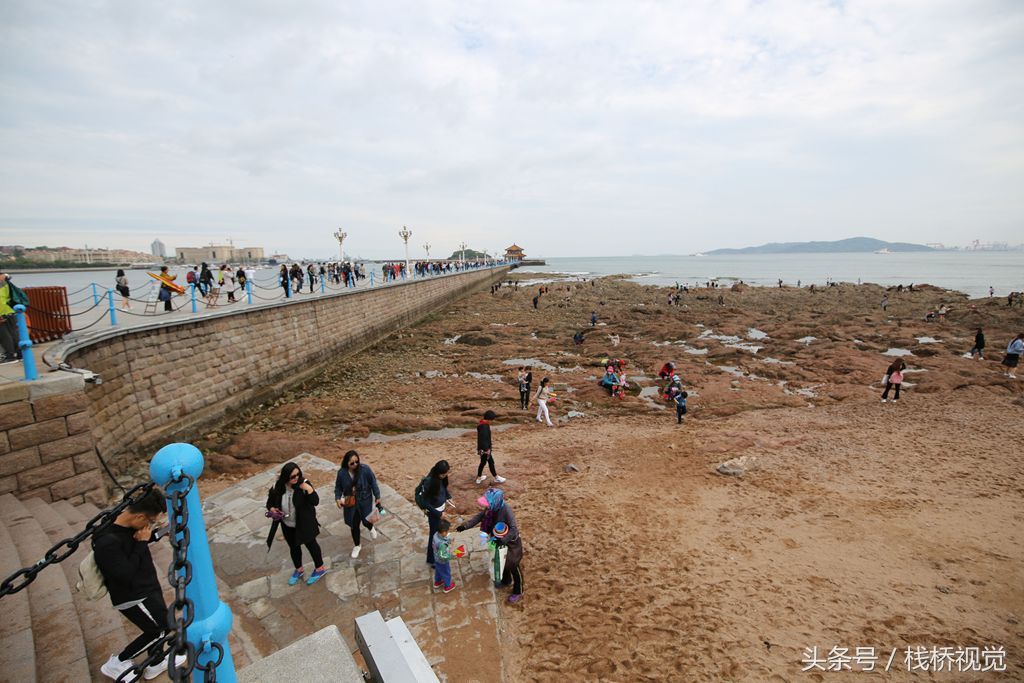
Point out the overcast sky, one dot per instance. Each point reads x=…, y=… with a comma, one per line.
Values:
x=571, y=128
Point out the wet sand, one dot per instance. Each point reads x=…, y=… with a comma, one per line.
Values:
x=855, y=523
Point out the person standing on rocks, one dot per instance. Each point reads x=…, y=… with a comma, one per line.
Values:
x=355, y=492
x=483, y=449
x=435, y=497
x=1013, y=354
x=885, y=302
x=291, y=503
x=894, y=378
x=497, y=520
x=543, y=393
x=979, y=345
x=525, y=380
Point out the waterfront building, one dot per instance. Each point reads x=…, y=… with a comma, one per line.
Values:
x=514, y=253
x=219, y=253
x=158, y=249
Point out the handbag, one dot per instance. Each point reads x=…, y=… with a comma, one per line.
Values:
x=885, y=378
x=373, y=517
x=90, y=580
x=348, y=501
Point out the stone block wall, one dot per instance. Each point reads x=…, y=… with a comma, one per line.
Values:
x=169, y=381
x=46, y=441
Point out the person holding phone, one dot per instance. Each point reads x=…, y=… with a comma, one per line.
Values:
x=291, y=503
x=356, y=492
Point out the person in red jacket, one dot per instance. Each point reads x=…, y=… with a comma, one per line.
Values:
x=483, y=449
x=667, y=370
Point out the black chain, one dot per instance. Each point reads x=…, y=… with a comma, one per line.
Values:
x=64, y=549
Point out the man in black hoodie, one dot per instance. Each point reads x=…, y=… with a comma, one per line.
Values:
x=483, y=449
x=122, y=555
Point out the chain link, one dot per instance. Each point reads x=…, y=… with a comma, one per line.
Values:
x=64, y=549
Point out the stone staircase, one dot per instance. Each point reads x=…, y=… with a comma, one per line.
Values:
x=49, y=631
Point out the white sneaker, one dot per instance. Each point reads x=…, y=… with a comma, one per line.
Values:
x=151, y=672
x=355, y=551
x=885, y=400
x=482, y=479
x=499, y=480
x=114, y=667
x=373, y=533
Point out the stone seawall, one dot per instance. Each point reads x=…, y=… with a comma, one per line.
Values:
x=169, y=381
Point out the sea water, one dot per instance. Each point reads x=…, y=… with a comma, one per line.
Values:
x=971, y=272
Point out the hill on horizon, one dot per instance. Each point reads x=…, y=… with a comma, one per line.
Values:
x=849, y=245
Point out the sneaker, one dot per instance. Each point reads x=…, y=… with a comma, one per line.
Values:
x=114, y=667
x=439, y=584
x=450, y=587
x=885, y=400
x=481, y=479
x=151, y=672
x=355, y=551
x=374, y=533
x=514, y=598
x=296, y=575
x=500, y=480
x=315, y=576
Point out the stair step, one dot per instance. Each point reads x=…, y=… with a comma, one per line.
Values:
x=59, y=642
x=16, y=641
x=70, y=513
x=104, y=629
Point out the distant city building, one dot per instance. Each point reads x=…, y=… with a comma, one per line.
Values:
x=514, y=253
x=279, y=258
x=219, y=253
x=158, y=249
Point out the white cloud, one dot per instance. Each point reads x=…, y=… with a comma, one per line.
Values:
x=570, y=128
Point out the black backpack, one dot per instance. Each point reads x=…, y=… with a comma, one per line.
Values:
x=421, y=494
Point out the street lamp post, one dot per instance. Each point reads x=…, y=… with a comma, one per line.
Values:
x=426, y=248
x=462, y=253
x=340, y=236
x=405, y=233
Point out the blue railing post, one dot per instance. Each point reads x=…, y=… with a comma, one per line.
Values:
x=371, y=278
x=248, y=290
x=95, y=296
x=194, y=297
x=28, y=361
x=110, y=300
x=212, y=617
x=323, y=283
x=287, y=286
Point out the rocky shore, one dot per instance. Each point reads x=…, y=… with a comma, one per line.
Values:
x=841, y=522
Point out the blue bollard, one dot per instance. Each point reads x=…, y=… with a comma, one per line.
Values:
x=194, y=297
x=371, y=278
x=28, y=361
x=110, y=300
x=212, y=617
x=323, y=284
x=248, y=289
x=287, y=286
x=95, y=296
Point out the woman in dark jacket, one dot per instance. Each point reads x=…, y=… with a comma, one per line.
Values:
x=356, y=484
x=496, y=510
x=292, y=503
x=436, y=495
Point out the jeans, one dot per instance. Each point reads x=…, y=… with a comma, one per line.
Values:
x=486, y=459
x=524, y=398
x=889, y=385
x=356, y=519
x=542, y=410
x=443, y=574
x=295, y=548
x=680, y=411
x=9, y=335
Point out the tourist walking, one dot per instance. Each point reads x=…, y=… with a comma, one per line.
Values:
x=123, y=559
x=483, y=449
x=121, y=285
x=435, y=496
x=979, y=345
x=282, y=279
x=165, y=292
x=894, y=378
x=226, y=281
x=442, y=557
x=1013, y=353
x=525, y=380
x=885, y=302
x=681, y=406
x=291, y=504
x=543, y=393
x=356, y=493
x=8, y=323
x=497, y=520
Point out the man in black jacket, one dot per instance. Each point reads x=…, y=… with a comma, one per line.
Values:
x=483, y=449
x=122, y=555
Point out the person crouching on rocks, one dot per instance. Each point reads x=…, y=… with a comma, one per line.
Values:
x=356, y=492
x=291, y=503
x=894, y=378
x=497, y=520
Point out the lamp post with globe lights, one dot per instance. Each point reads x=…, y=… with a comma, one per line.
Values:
x=405, y=233
x=340, y=236
x=462, y=253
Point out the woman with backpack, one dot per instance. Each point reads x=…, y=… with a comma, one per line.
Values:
x=356, y=492
x=431, y=496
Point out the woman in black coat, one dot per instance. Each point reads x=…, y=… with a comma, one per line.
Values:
x=436, y=496
x=292, y=503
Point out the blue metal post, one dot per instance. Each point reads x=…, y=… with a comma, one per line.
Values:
x=287, y=286
x=28, y=361
x=194, y=309
x=248, y=289
x=95, y=296
x=371, y=278
x=110, y=300
x=323, y=283
x=212, y=617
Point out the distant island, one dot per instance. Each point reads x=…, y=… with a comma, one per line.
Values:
x=851, y=245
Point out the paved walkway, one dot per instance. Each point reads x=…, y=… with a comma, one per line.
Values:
x=457, y=632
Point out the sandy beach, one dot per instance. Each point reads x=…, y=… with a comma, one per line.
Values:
x=854, y=524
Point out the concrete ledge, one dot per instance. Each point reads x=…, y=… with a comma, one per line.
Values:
x=322, y=657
